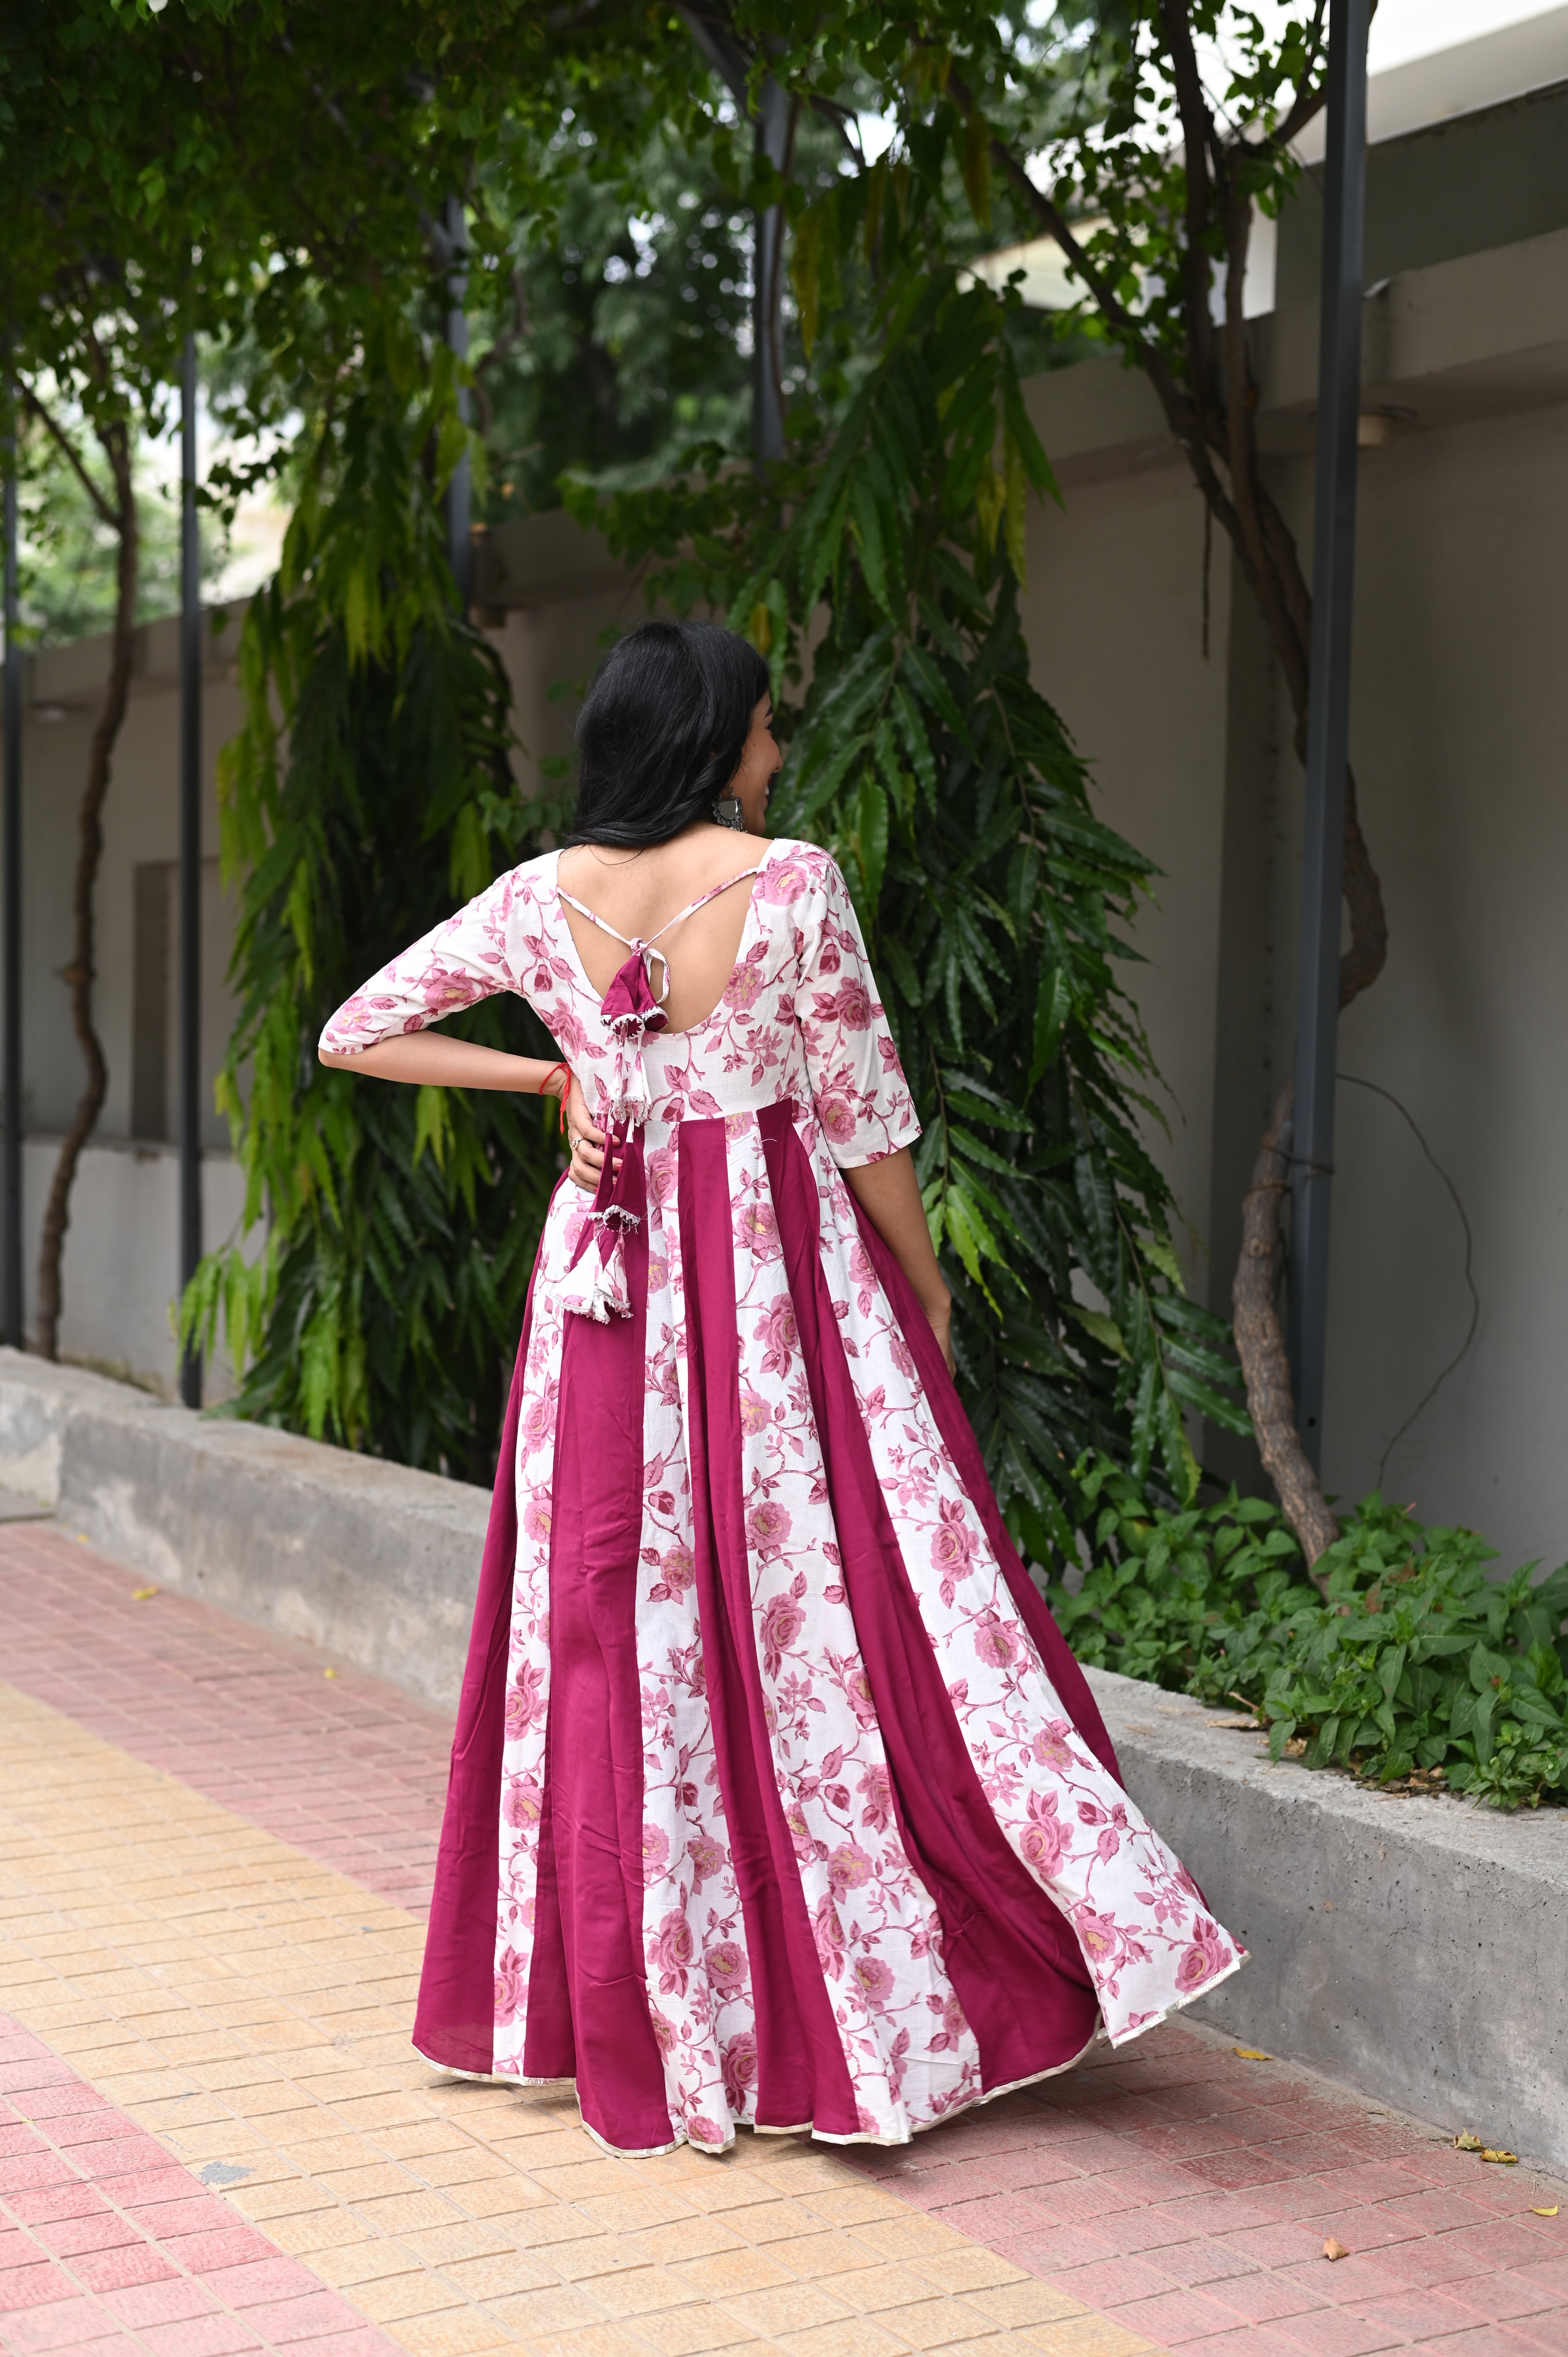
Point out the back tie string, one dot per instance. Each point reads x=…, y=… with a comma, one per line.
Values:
x=647, y=951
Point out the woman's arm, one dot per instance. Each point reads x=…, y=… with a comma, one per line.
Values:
x=435, y=1058
x=890, y=1194
x=439, y=1062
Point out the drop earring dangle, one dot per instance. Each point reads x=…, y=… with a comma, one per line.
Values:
x=727, y=812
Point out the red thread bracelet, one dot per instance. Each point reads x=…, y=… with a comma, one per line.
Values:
x=544, y=1089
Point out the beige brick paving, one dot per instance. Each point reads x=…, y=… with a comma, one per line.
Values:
x=246, y=2005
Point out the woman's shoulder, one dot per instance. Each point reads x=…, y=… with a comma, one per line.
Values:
x=793, y=871
x=530, y=880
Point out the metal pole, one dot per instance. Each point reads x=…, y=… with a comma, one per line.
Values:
x=767, y=263
x=11, y=1323
x=189, y=861
x=459, y=499
x=770, y=125
x=1329, y=708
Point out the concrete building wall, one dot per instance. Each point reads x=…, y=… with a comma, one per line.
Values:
x=1147, y=710
x=1460, y=737
x=1459, y=725
x=121, y=1266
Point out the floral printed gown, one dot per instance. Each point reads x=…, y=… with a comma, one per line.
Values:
x=777, y=1796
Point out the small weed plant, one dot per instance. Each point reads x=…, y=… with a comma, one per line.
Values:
x=1402, y=1662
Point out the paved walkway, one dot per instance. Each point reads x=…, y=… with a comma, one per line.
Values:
x=215, y=2140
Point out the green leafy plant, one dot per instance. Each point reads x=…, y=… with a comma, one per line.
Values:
x=1398, y=1658
x=1418, y=1662
x=367, y=794
x=1166, y=1592
x=994, y=899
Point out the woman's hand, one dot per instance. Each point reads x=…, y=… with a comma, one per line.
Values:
x=584, y=1139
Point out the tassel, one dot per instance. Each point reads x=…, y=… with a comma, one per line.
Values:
x=597, y=1287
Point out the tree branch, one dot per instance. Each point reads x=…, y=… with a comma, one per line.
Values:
x=501, y=345
x=80, y=973
x=1309, y=99
x=1197, y=131
x=106, y=514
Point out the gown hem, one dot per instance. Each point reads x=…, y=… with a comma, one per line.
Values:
x=1179, y=2004
x=803, y=2127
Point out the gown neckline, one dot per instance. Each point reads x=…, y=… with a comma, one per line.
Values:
x=580, y=972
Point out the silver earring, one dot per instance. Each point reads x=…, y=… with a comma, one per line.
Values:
x=727, y=812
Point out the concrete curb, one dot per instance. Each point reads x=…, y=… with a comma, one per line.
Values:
x=1416, y=1948
x=374, y=1563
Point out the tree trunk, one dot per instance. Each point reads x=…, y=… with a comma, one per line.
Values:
x=1261, y=1346
x=80, y=974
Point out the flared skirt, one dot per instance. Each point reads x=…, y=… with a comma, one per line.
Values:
x=777, y=1797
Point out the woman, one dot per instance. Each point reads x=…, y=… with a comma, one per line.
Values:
x=777, y=1797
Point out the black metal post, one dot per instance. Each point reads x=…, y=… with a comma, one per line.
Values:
x=1329, y=708
x=11, y=1320
x=770, y=125
x=189, y=861
x=767, y=274
x=459, y=498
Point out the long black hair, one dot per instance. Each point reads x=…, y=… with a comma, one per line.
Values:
x=661, y=734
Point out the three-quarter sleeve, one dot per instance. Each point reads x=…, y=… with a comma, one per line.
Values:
x=457, y=963
x=858, y=1088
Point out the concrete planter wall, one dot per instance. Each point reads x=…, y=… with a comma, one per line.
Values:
x=1416, y=1948
x=374, y=1563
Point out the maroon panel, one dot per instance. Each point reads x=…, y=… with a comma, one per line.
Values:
x=549, y=2049
x=594, y=1787
x=1013, y=1960
x=801, y=2073
x=454, y=2022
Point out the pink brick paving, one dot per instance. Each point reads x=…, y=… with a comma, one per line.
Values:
x=109, y=2246
x=346, y=1768
x=1183, y=2192
x=1188, y=2194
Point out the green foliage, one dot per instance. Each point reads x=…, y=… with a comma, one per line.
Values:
x=367, y=793
x=68, y=552
x=1408, y=1663
x=924, y=759
x=1168, y=163
x=1419, y=1661
x=1164, y=1590
x=618, y=348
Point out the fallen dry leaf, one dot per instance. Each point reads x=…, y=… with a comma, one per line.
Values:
x=140, y=1595
x=1495, y=2152
x=1333, y=2250
x=1546, y=2214
x=1466, y=2142
x=1253, y=2054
